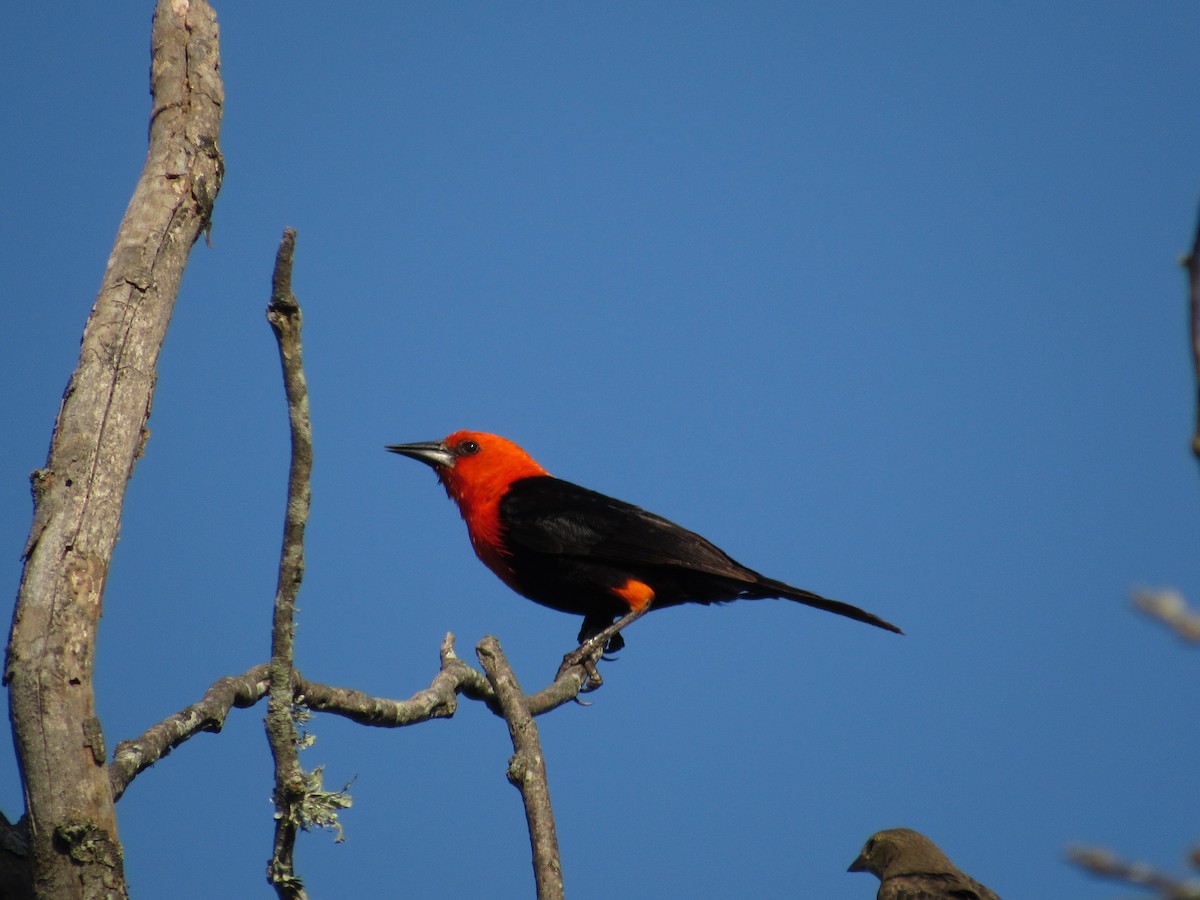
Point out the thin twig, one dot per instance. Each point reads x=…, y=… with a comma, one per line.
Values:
x=291, y=784
x=133, y=757
x=1105, y=864
x=1191, y=262
x=526, y=769
x=1169, y=607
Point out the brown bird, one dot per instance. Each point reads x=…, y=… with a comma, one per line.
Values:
x=911, y=867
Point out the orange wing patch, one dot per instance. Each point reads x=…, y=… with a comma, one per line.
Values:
x=636, y=593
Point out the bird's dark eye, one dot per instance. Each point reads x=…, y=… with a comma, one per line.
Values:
x=467, y=448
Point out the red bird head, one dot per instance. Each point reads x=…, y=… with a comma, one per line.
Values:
x=476, y=468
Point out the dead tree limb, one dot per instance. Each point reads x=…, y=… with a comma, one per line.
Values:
x=208, y=714
x=99, y=434
x=1168, y=607
x=1105, y=864
x=567, y=686
x=133, y=757
x=1191, y=262
x=526, y=769
x=291, y=785
x=438, y=701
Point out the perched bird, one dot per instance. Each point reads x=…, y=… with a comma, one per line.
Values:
x=911, y=867
x=580, y=552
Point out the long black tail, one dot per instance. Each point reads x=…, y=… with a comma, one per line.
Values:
x=773, y=588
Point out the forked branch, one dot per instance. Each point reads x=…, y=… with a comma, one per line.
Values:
x=438, y=701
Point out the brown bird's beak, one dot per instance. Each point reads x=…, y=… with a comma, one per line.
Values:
x=859, y=864
x=432, y=453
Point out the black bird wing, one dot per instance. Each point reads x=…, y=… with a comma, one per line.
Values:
x=549, y=515
x=546, y=515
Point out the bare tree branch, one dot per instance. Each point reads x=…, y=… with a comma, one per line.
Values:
x=566, y=687
x=291, y=785
x=99, y=434
x=526, y=769
x=208, y=714
x=438, y=701
x=1191, y=262
x=1105, y=864
x=1169, y=607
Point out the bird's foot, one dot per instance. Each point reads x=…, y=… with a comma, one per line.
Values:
x=587, y=655
x=592, y=650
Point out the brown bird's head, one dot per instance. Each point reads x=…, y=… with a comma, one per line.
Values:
x=908, y=864
x=901, y=851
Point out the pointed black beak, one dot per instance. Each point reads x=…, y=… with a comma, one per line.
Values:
x=432, y=453
x=859, y=864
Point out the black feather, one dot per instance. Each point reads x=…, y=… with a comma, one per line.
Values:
x=569, y=547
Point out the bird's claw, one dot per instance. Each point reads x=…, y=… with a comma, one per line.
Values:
x=585, y=655
x=592, y=679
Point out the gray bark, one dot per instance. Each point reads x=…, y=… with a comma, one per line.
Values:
x=100, y=432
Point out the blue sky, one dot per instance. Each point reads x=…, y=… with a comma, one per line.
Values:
x=882, y=298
